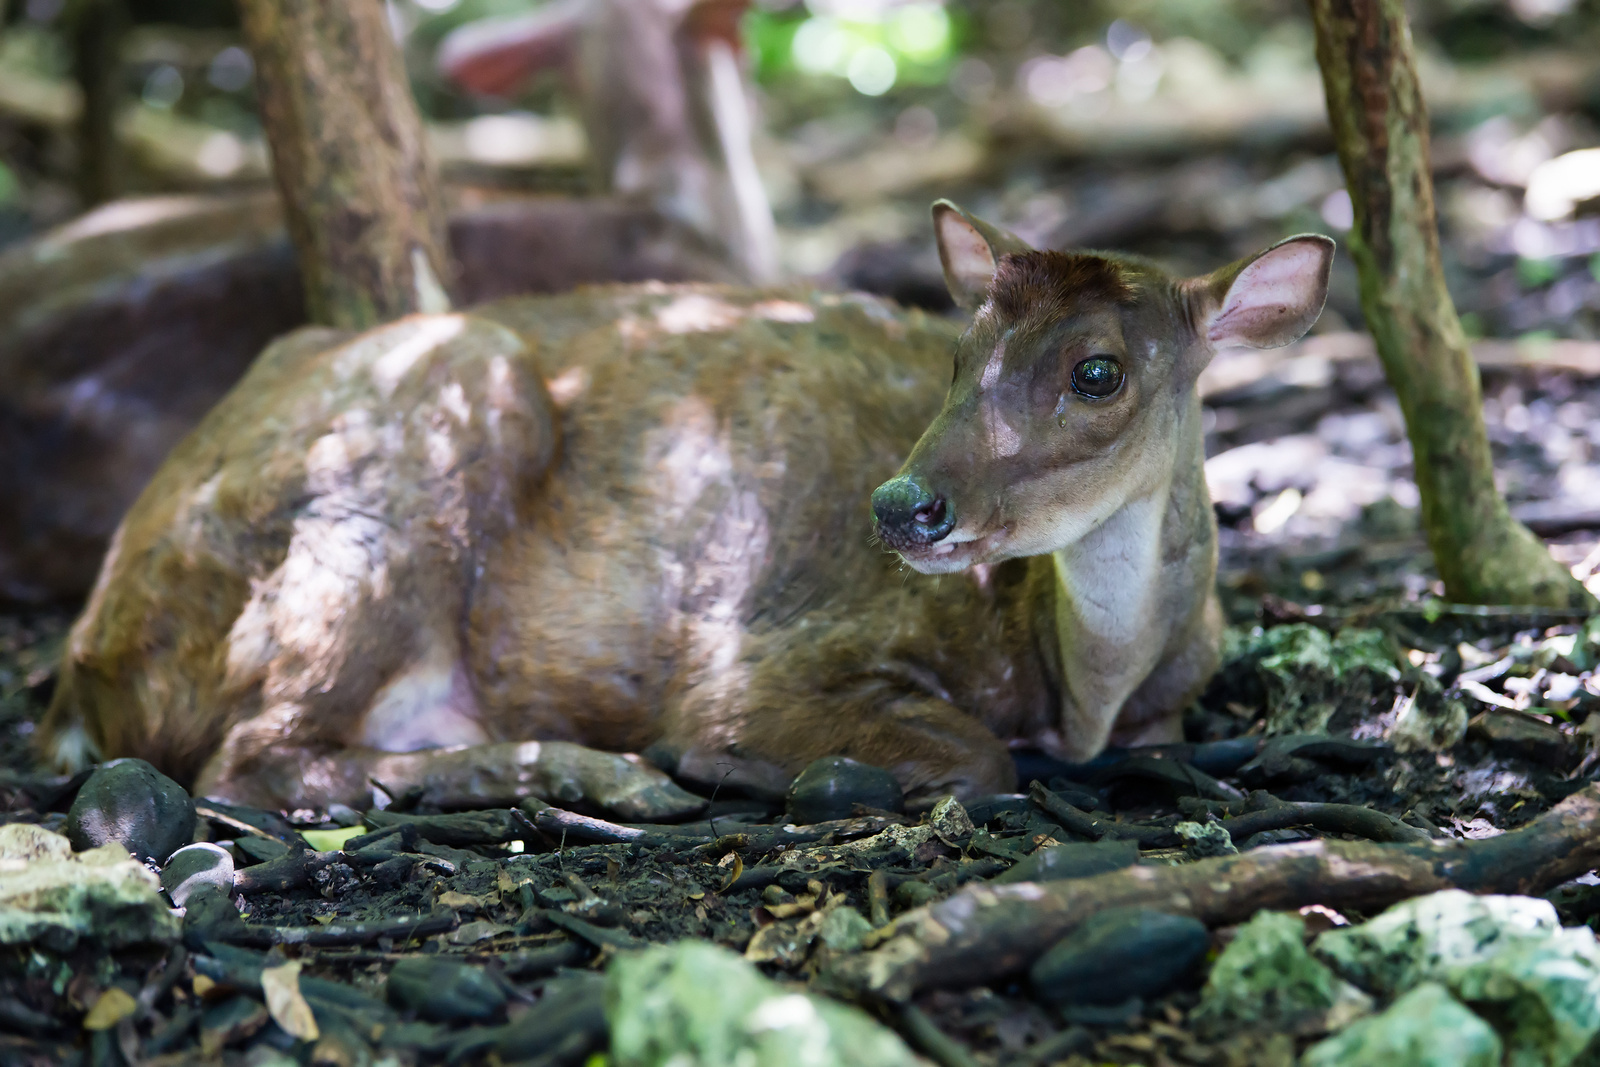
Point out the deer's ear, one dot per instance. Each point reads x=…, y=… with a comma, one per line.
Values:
x=969, y=249
x=1266, y=300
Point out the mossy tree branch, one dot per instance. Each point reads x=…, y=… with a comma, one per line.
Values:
x=1380, y=125
x=350, y=158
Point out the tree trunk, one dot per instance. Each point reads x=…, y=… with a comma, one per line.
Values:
x=98, y=28
x=348, y=151
x=1381, y=128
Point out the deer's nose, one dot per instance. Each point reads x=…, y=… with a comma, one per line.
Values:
x=908, y=512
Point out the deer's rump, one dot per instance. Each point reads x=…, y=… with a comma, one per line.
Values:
x=589, y=517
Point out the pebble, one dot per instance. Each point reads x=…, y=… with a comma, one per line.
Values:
x=193, y=866
x=1074, y=860
x=1118, y=955
x=950, y=822
x=132, y=803
x=1203, y=840
x=445, y=991
x=831, y=787
x=1512, y=734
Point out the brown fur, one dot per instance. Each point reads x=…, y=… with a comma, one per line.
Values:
x=638, y=518
x=1045, y=285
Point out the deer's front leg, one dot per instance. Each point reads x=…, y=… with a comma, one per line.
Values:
x=1154, y=714
x=931, y=747
x=461, y=777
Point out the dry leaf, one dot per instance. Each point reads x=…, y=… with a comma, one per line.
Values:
x=733, y=872
x=785, y=943
x=288, y=1008
x=113, y=1006
x=803, y=906
x=459, y=901
x=473, y=932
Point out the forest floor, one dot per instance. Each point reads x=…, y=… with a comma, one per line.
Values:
x=1459, y=723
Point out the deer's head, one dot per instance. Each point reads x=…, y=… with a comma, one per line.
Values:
x=1073, y=386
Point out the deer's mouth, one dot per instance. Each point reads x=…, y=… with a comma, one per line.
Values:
x=955, y=553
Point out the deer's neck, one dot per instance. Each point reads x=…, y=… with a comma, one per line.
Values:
x=1125, y=588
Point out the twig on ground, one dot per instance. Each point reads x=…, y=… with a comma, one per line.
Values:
x=878, y=898
x=495, y=826
x=289, y=871
x=1273, y=814
x=923, y=1035
x=1087, y=826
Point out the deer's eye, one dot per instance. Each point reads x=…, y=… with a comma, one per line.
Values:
x=1097, y=378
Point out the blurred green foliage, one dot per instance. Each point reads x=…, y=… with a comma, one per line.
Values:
x=873, y=47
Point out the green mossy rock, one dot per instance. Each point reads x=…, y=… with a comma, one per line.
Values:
x=1506, y=956
x=1308, y=681
x=54, y=899
x=1266, y=979
x=695, y=1004
x=1425, y=1028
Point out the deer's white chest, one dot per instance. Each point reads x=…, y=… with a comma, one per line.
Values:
x=1108, y=579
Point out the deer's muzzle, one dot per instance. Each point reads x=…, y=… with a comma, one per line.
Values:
x=911, y=514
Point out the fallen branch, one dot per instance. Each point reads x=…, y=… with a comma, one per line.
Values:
x=558, y=824
x=986, y=932
x=458, y=829
x=1087, y=826
x=402, y=928
x=1273, y=814
x=211, y=920
x=925, y=1036
x=289, y=871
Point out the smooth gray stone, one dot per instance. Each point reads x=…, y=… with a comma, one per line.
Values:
x=1079, y=859
x=1120, y=954
x=132, y=803
x=831, y=787
x=193, y=866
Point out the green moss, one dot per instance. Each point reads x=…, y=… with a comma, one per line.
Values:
x=695, y=1004
x=1308, y=681
x=1265, y=979
x=1506, y=956
x=1425, y=1028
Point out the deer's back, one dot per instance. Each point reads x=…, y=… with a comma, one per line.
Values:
x=692, y=490
x=718, y=451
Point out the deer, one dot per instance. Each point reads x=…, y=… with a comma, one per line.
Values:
x=586, y=547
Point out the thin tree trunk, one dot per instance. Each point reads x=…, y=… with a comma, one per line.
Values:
x=98, y=29
x=1381, y=128
x=350, y=158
